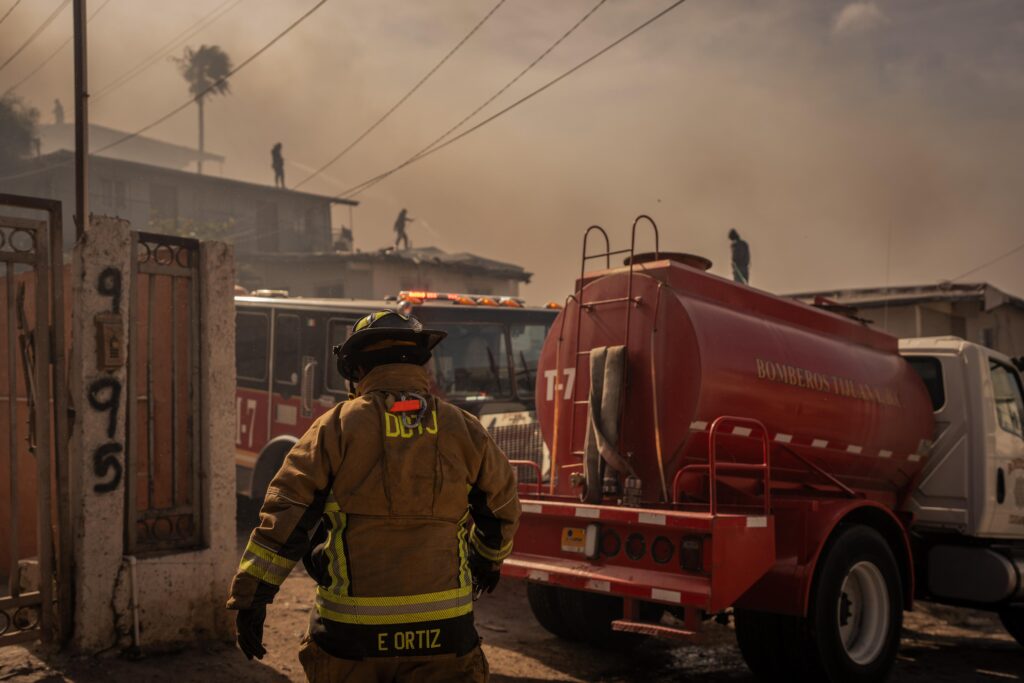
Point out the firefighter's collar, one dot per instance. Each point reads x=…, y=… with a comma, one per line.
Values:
x=395, y=377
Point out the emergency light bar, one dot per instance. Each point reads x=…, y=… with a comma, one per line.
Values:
x=419, y=296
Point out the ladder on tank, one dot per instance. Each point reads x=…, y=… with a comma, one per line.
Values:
x=573, y=382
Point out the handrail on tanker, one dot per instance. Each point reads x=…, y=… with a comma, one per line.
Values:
x=607, y=253
x=713, y=465
x=531, y=464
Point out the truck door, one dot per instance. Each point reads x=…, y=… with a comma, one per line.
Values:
x=287, y=374
x=942, y=498
x=252, y=393
x=1006, y=468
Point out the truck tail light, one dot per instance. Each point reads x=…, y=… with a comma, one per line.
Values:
x=691, y=554
x=662, y=550
x=611, y=543
x=635, y=546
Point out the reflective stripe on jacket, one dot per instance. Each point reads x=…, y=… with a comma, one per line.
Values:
x=396, y=501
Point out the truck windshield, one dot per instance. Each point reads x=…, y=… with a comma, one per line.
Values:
x=471, y=364
x=527, y=342
x=1009, y=404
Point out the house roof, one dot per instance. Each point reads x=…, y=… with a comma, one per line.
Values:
x=432, y=256
x=990, y=297
x=57, y=136
x=66, y=158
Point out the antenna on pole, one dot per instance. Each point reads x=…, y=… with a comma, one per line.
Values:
x=81, y=122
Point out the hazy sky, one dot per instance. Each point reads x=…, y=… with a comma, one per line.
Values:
x=852, y=143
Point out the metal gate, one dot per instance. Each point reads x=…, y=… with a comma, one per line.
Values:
x=164, y=474
x=34, y=534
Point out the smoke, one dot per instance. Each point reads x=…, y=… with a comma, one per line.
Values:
x=858, y=17
x=823, y=131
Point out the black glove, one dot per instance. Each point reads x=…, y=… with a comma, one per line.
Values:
x=485, y=573
x=249, y=623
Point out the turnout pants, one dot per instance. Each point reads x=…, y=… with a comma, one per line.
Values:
x=321, y=667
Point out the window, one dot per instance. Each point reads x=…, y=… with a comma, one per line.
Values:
x=106, y=192
x=163, y=203
x=1009, y=404
x=527, y=342
x=120, y=194
x=251, y=335
x=472, y=362
x=286, y=349
x=930, y=370
x=267, y=228
x=337, y=332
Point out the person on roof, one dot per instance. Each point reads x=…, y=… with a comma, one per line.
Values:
x=740, y=258
x=277, y=162
x=416, y=506
x=400, y=234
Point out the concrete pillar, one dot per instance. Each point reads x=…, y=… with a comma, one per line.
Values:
x=179, y=596
x=99, y=287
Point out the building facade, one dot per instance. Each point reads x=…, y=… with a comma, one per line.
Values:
x=976, y=312
x=159, y=199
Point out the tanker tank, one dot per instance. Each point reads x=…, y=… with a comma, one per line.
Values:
x=844, y=412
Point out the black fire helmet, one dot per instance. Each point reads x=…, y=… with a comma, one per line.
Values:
x=385, y=337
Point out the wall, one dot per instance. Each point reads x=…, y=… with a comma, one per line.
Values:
x=180, y=595
x=303, y=221
x=1002, y=327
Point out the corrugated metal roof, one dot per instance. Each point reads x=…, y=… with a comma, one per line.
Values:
x=990, y=297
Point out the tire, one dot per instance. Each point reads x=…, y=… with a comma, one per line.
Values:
x=544, y=604
x=589, y=618
x=852, y=630
x=268, y=465
x=1013, y=621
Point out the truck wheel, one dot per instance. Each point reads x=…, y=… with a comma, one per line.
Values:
x=589, y=617
x=1013, y=622
x=852, y=630
x=856, y=613
x=546, y=610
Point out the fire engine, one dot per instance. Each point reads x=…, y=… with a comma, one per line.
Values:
x=720, y=452
x=287, y=377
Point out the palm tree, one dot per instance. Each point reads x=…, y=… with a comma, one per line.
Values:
x=206, y=71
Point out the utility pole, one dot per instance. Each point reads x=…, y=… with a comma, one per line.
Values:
x=81, y=123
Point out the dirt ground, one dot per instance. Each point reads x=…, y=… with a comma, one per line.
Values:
x=939, y=644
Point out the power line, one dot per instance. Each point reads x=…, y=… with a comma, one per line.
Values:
x=35, y=34
x=401, y=100
x=166, y=49
x=216, y=83
x=9, y=10
x=502, y=90
x=1013, y=251
x=355, y=189
x=52, y=54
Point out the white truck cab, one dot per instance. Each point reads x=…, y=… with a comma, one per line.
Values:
x=968, y=506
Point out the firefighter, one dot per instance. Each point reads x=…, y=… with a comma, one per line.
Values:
x=740, y=258
x=417, y=509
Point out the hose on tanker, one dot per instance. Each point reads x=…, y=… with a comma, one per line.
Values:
x=604, y=407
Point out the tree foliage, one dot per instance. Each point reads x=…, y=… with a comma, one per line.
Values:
x=205, y=70
x=17, y=129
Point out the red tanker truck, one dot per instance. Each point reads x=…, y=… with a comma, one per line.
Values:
x=717, y=451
